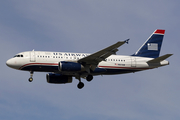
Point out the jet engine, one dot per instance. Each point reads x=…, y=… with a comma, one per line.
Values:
x=58, y=78
x=69, y=66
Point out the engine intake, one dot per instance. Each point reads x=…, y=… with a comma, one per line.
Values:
x=69, y=66
x=58, y=78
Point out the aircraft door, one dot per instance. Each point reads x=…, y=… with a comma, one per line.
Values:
x=32, y=56
x=133, y=61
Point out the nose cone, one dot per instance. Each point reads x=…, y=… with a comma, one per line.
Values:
x=11, y=63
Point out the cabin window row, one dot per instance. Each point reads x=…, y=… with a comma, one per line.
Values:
x=40, y=56
x=120, y=60
x=115, y=60
x=43, y=56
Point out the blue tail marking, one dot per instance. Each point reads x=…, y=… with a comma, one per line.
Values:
x=151, y=48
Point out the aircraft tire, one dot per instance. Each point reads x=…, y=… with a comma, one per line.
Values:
x=30, y=79
x=89, y=78
x=80, y=85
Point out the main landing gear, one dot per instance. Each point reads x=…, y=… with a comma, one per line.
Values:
x=31, y=76
x=81, y=84
x=89, y=78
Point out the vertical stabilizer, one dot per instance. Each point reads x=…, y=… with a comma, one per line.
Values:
x=151, y=48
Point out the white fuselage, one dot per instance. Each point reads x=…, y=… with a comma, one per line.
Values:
x=48, y=62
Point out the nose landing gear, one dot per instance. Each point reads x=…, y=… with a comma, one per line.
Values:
x=31, y=76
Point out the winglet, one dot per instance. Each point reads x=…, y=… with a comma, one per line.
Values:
x=127, y=41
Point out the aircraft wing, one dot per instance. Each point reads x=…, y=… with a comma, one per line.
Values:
x=101, y=55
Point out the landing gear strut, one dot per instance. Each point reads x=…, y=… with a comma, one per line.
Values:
x=31, y=76
x=80, y=85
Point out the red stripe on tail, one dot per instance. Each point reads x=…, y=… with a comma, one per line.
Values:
x=158, y=31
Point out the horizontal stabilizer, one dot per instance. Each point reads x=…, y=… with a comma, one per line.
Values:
x=159, y=59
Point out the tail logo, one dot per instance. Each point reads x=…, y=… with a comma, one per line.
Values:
x=153, y=46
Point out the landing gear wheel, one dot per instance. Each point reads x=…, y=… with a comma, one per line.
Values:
x=80, y=85
x=30, y=79
x=89, y=78
x=31, y=76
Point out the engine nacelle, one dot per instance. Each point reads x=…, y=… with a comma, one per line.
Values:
x=58, y=78
x=69, y=66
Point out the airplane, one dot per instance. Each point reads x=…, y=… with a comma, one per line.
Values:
x=63, y=66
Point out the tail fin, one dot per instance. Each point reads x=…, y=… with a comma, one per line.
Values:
x=151, y=48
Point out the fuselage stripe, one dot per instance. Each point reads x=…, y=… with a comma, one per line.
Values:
x=56, y=64
x=123, y=67
x=49, y=64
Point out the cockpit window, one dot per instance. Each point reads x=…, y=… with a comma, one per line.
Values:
x=18, y=56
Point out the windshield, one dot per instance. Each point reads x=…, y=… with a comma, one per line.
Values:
x=18, y=56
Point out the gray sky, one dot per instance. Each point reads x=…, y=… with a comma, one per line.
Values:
x=88, y=26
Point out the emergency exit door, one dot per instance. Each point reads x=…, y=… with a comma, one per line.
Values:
x=133, y=61
x=32, y=56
